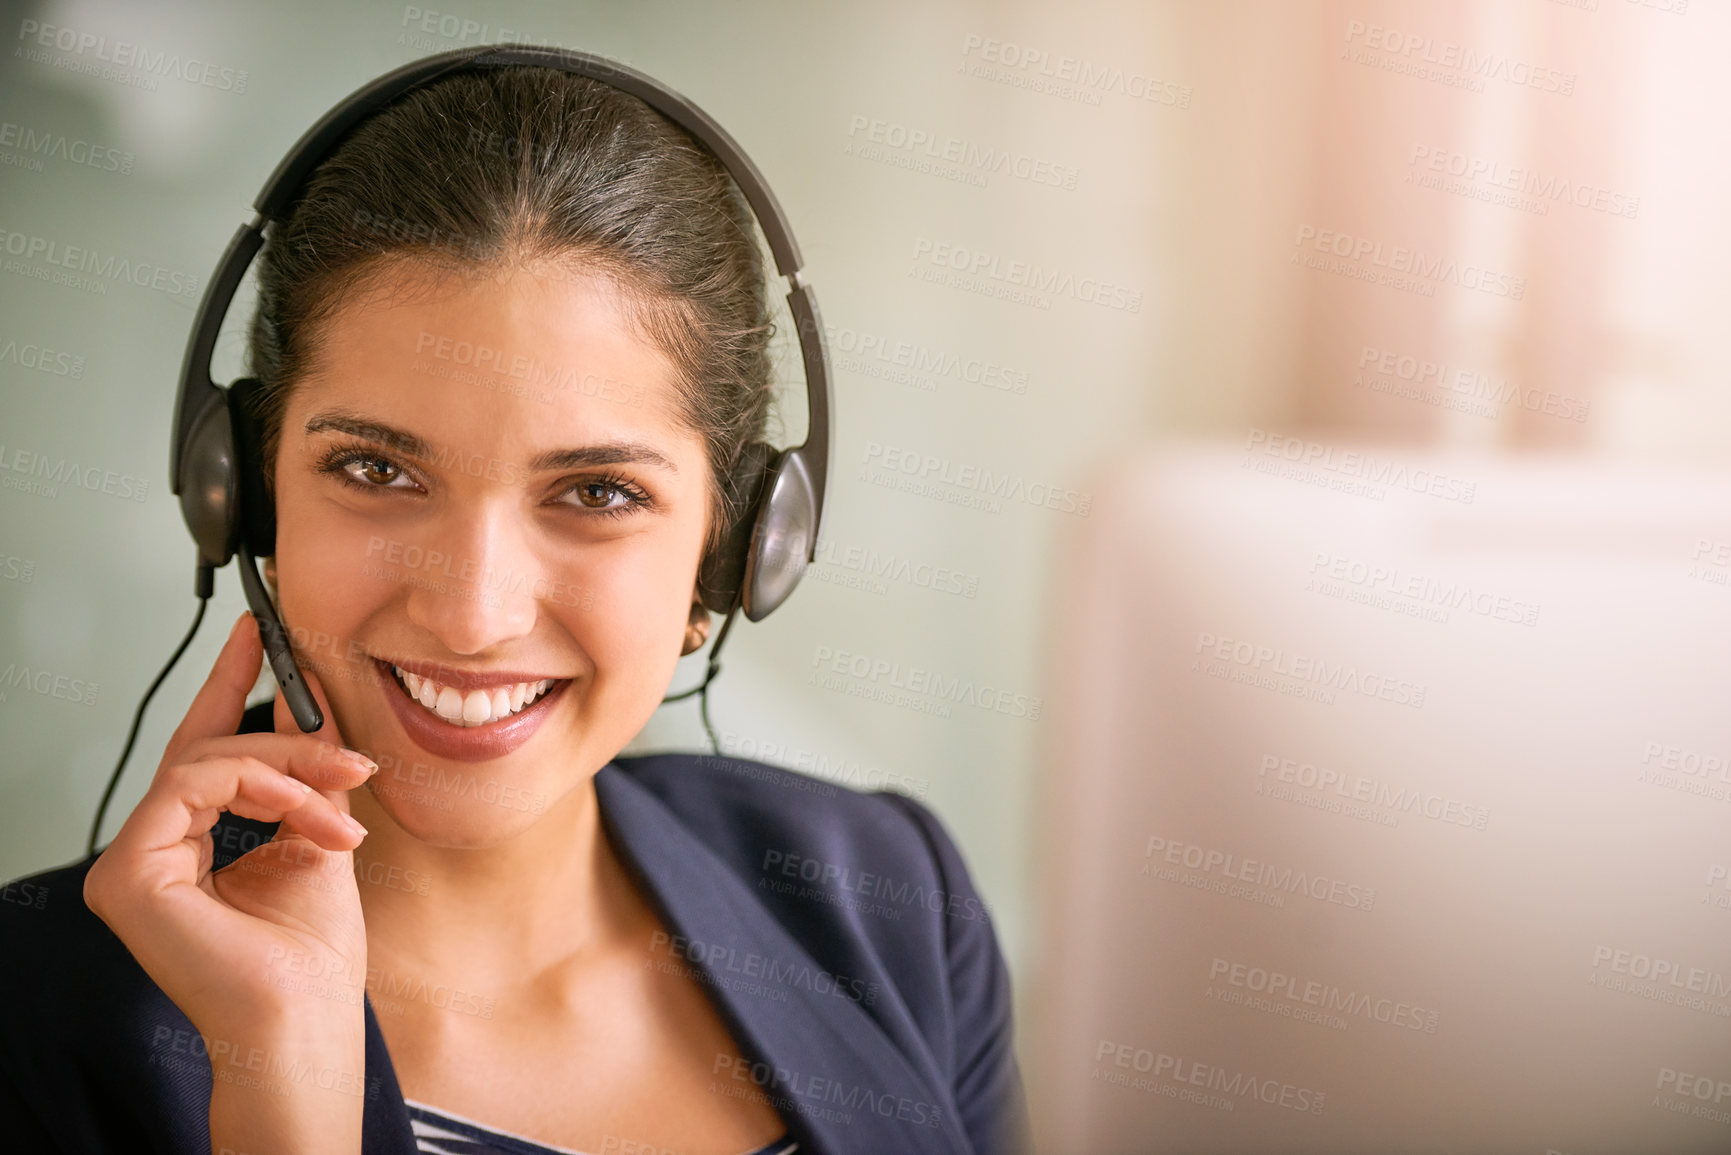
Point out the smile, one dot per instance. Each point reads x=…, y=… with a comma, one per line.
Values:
x=477, y=707
x=467, y=717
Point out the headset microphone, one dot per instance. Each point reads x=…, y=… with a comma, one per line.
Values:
x=295, y=690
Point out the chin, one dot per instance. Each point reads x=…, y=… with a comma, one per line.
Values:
x=479, y=814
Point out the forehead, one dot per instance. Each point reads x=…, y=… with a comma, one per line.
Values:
x=503, y=362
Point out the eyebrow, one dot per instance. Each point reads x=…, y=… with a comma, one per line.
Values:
x=606, y=453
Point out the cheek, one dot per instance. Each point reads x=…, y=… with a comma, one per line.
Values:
x=328, y=583
x=638, y=604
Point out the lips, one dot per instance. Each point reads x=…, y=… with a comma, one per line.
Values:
x=481, y=730
x=476, y=707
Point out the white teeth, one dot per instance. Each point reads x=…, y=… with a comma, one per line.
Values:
x=450, y=705
x=475, y=708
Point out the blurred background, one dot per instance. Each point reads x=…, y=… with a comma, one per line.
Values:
x=1296, y=428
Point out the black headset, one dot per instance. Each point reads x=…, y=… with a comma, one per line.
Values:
x=215, y=462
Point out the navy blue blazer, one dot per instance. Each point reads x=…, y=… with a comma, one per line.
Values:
x=837, y=932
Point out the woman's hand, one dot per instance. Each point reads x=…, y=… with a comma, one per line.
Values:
x=277, y=936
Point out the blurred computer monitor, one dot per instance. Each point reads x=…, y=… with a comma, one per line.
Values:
x=1388, y=807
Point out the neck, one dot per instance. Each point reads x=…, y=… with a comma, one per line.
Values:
x=545, y=897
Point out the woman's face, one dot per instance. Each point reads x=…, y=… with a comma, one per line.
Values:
x=486, y=486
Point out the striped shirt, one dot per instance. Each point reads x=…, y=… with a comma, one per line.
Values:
x=442, y=1133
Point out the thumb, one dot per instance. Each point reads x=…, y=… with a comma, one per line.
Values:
x=216, y=709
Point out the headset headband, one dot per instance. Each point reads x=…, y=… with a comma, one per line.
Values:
x=198, y=392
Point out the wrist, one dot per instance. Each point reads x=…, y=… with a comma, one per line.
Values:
x=290, y=1085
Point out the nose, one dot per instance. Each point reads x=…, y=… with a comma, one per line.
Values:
x=478, y=589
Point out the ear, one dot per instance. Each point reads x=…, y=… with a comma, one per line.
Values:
x=269, y=568
x=696, y=624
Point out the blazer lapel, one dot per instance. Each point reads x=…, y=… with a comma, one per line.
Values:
x=838, y=1081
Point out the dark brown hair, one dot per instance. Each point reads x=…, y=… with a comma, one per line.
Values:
x=479, y=170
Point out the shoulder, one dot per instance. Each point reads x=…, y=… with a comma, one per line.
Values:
x=776, y=823
x=872, y=884
x=86, y=1030
x=44, y=922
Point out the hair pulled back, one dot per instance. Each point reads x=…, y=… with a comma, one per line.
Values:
x=478, y=171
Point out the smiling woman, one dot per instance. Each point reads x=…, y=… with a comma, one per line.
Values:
x=453, y=917
x=373, y=449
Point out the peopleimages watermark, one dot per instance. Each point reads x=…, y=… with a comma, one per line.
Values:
x=1687, y=771
x=825, y=1097
x=258, y=1068
x=1712, y=562
x=48, y=684
x=1185, y=1073
x=1309, y=784
x=1390, y=587
x=1020, y=281
x=17, y=569
x=535, y=373
x=86, y=269
x=1669, y=7
x=837, y=771
x=868, y=569
x=1264, y=666
x=442, y=788
x=341, y=981
x=1662, y=980
x=910, y=362
x=839, y=879
x=1310, y=1000
x=421, y=25
x=1347, y=470
x=1448, y=63
x=1398, y=266
x=41, y=358
x=469, y=572
x=890, y=142
x=925, y=472
x=27, y=894
x=1718, y=878
x=722, y=962
x=42, y=477
x=1704, y=1089
x=885, y=676
x=1515, y=186
x=1218, y=869
x=92, y=54
x=1415, y=374
x=34, y=144
x=1066, y=77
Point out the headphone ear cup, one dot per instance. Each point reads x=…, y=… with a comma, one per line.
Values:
x=257, y=511
x=723, y=570
x=208, y=500
x=786, y=523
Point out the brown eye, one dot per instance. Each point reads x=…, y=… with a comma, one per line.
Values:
x=365, y=470
x=596, y=494
x=379, y=472
x=607, y=496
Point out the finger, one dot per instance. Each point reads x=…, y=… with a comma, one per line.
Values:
x=186, y=802
x=322, y=765
x=221, y=700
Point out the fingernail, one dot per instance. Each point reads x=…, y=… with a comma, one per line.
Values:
x=355, y=826
x=359, y=759
x=306, y=787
